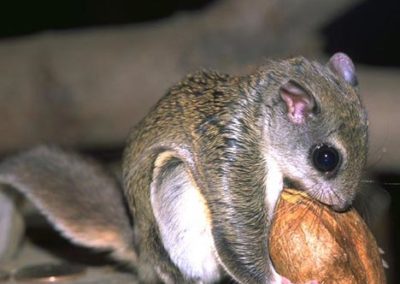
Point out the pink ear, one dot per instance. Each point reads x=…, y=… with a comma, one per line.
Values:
x=298, y=102
x=342, y=65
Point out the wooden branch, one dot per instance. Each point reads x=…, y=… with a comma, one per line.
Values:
x=379, y=89
x=87, y=88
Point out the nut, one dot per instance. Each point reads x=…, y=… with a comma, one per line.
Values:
x=310, y=241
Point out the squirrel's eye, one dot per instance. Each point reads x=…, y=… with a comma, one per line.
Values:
x=325, y=158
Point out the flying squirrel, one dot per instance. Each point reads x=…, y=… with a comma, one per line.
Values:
x=203, y=171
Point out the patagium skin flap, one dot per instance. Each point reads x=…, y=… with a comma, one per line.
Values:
x=204, y=169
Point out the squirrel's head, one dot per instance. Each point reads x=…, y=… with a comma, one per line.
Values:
x=317, y=128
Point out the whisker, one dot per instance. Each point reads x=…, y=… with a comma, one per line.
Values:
x=371, y=181
x=380, y=155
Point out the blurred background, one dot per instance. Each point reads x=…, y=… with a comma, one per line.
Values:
x=81, y=73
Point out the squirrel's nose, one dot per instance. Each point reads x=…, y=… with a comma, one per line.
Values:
x=342, y=207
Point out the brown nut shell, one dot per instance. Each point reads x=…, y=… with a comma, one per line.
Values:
x=310, y=241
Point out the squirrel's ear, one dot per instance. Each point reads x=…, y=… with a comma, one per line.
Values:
x=76, y=195
x=343, y=66
x=299, y=103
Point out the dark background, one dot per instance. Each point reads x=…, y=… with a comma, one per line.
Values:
x=369, y=33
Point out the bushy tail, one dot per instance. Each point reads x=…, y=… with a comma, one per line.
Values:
x=76, y=195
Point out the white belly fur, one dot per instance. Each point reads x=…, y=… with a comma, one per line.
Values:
x=184, y=224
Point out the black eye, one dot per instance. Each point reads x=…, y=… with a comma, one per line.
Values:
x=325, y=158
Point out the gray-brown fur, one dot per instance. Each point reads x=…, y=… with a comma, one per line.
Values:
x=83, y=201
x=217, y=126
x=232, y=141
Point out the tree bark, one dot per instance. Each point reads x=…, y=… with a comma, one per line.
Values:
x=87, y=88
